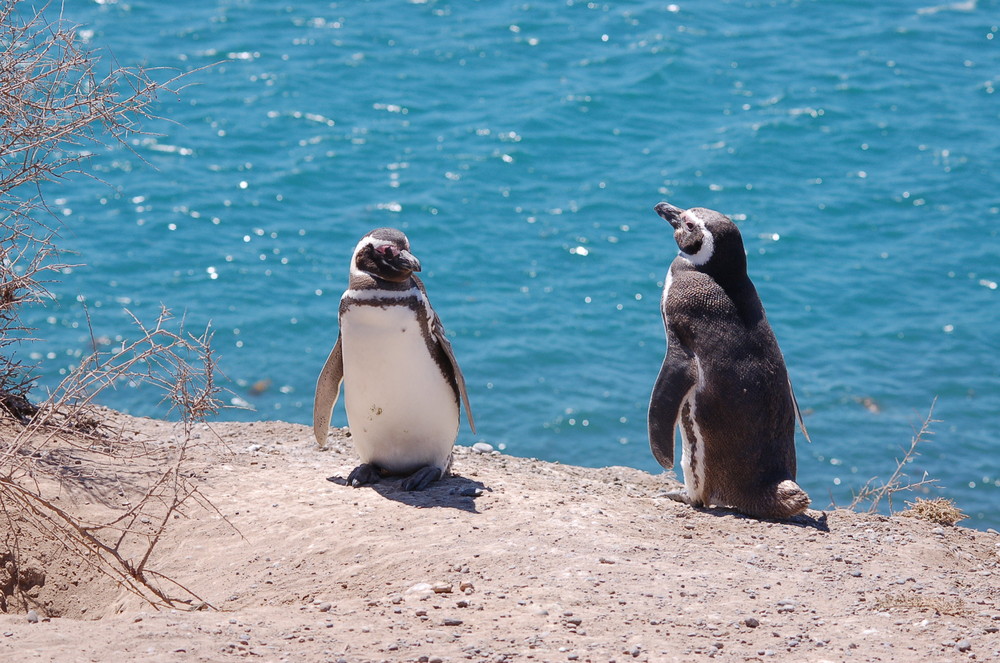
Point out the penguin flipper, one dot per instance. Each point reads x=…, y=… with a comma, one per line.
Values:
x=327, y=393
x=677, y=376
x=437, y=331
x=459, y=378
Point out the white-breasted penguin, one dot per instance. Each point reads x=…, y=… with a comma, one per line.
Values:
x=402, y=385
x=723, y=381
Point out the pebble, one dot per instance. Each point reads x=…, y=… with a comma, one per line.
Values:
x=482, y=447
x=752, y=622
x=963, y=645
x=442, y=587
x=325, y=607
x=32, y=617
x=452, y=622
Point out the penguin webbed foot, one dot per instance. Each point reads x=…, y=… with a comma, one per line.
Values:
x=363, y=475
x=420, y=479
x=680, y=496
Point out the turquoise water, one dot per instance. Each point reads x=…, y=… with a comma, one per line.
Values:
x=522, y=147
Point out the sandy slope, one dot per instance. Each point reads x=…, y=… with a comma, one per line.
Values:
x=510, y=560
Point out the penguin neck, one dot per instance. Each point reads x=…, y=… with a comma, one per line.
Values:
x=744, y=295
x=735, y=282
x=368, y=281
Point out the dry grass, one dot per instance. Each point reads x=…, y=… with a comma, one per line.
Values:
x=940, y=510
x=913, y=601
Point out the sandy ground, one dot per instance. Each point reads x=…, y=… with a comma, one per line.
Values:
x=509, y=560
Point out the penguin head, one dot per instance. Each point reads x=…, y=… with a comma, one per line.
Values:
x=385, y=254
x=705, y=236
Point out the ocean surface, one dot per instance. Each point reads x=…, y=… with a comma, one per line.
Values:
x=522, y=146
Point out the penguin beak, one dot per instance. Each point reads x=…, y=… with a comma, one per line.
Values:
x=409, y=260
x=393, y=263
x=669, y=213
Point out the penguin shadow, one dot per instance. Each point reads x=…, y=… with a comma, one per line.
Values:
x=451, y=492
x=804, y=520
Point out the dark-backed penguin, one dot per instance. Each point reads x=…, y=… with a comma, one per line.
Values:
x=402, y=385
x=723, y=381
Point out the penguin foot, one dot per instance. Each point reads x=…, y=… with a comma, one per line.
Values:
x=680, y=496
x=422, y=478
x=363, y=475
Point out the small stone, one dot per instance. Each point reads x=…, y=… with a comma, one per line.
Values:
x=855, y=574
x=442, y=587
x=466, y=587
x=482, y=447
x=963, y=645
x=325, y=606
x=452, y=622
x=32, y=617
x=420, y=590
x=752, y=622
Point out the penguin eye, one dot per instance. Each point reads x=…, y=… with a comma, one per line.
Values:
x=689, y=225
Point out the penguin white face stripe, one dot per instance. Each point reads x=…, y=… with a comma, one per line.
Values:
x=707, y=241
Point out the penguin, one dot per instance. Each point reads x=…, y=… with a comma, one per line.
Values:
x=402, y=384
x=723, y=381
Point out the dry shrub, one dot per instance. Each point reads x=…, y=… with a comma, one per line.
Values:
x=940, y=510
x=872, y=493
x=59, y=103
x=68, y=448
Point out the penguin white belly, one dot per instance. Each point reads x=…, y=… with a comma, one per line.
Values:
x=402, y=412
